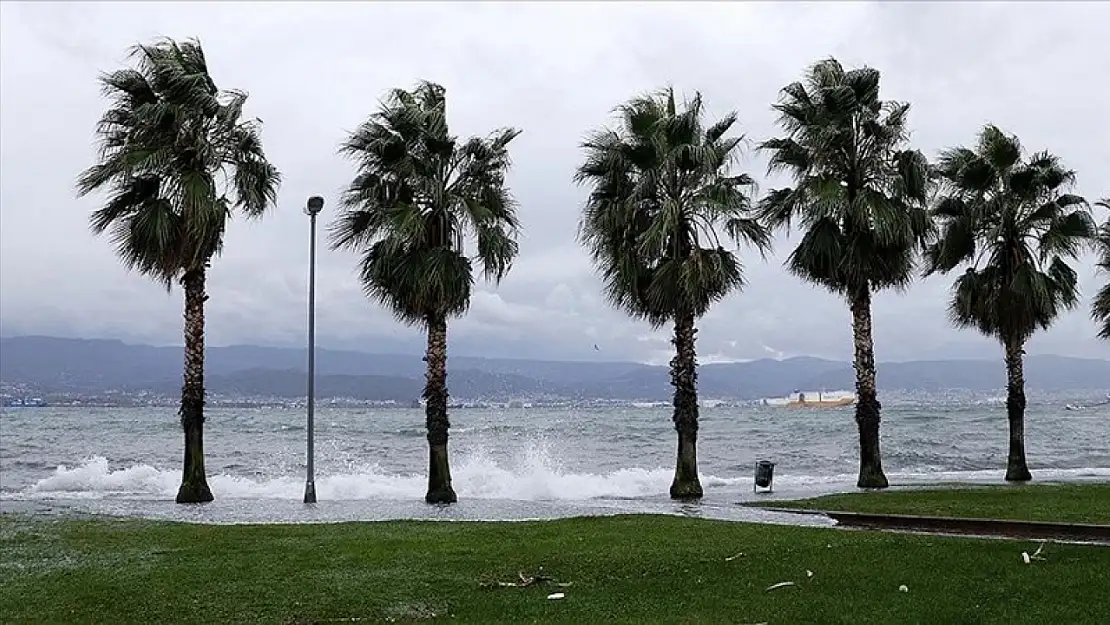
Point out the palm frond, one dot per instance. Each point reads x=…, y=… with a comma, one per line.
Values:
x=172, y=149
x=1100, y=308
x=662, y=201
x=1009, y=219
x=419, y=195
x=858, y=193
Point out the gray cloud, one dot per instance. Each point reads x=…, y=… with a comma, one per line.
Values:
x=555, y=70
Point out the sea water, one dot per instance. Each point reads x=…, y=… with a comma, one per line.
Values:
x=517, y=463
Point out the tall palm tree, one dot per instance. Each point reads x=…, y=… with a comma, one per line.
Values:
x=419, y=194
x=176, y=158
x=1008, y=220
x=1100, y=310
x=860, y=196
x=660, y=191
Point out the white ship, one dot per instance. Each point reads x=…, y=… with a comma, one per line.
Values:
x=813, y=399
x=1081, y=406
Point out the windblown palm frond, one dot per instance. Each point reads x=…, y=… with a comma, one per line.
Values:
x=1010, y=221
x=858, y=193
x=662, y=202
x=418, y=196
x=176, y=159
x=1100, y=310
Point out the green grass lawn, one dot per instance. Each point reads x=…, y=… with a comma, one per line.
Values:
x=631, y=569
x=1062, y=503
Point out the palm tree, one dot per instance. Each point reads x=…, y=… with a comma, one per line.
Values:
x=1009, y=221
x=860, y=196
x=660, y=190
x=176, y=159
x=419, y=193
x=1100, y=310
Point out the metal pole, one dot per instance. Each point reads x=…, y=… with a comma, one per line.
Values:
x=314, y=206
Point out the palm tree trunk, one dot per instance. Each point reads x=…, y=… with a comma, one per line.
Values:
x=1016, y=469
x=194, y=484
x=867, y=404
x=684, y=378
x=435, y=392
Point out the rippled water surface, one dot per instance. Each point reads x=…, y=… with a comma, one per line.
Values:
x=514, y=463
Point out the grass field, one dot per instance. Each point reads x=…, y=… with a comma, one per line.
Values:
x=631, y=569
x=1062, y=503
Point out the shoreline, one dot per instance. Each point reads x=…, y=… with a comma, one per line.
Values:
x=773, y=509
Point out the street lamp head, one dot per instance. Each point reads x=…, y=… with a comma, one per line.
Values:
x=315, y=205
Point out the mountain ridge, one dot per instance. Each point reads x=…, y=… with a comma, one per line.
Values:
x=53, y=364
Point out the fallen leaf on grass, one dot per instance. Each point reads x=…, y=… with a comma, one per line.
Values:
x=731, y=558
x=809, y=573
x=780, y=585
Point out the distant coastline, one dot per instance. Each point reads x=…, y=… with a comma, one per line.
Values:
x=86, y=372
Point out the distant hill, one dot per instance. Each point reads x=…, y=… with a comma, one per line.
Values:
x=1042, y=372
x=81, y=365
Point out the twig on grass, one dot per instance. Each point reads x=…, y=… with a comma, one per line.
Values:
x=526, y=581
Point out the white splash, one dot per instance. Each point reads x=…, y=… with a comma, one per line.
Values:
x=534, y=477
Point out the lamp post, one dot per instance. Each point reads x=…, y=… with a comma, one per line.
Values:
x=313, y=208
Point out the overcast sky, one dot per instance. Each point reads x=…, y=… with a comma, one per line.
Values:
x=315, y=71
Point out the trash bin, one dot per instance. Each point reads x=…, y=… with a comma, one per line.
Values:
x=764, y=474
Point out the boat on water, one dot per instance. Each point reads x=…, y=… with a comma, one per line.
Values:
x=1081, y=406
x=23, y=402
x=813, y=399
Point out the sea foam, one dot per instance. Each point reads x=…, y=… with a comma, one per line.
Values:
x=534, y=477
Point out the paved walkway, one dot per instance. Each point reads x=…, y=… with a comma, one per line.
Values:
x=995, y=528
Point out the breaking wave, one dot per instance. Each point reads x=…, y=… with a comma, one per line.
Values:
x=535, y=477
